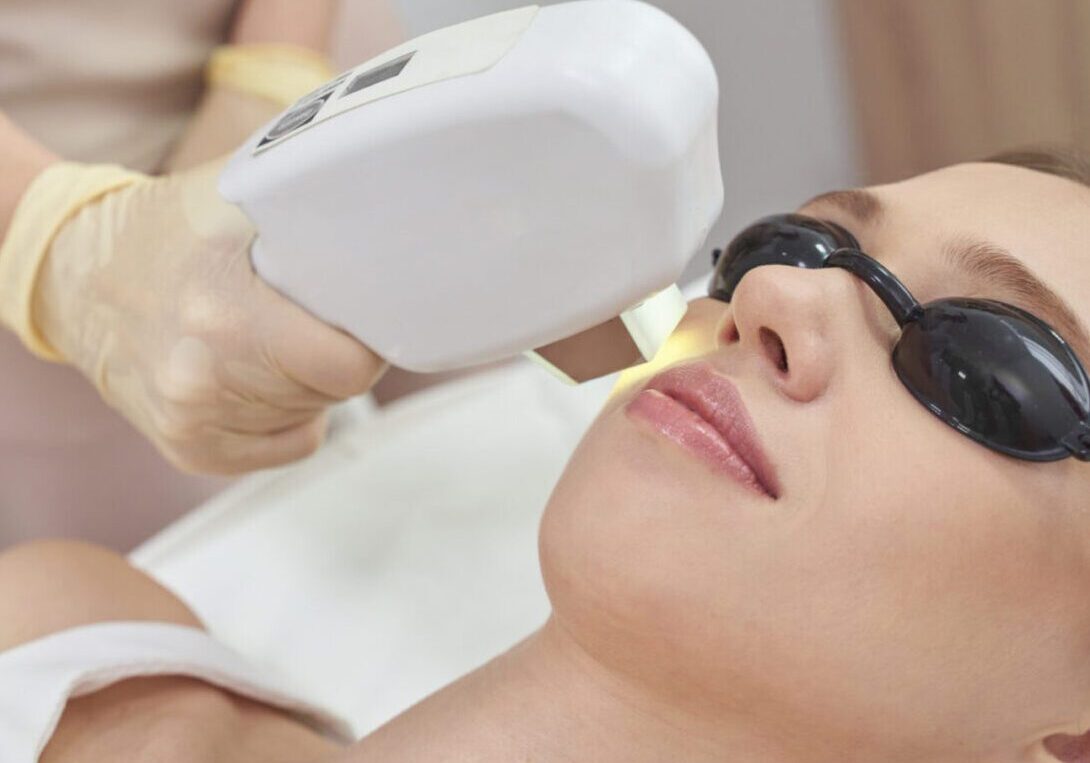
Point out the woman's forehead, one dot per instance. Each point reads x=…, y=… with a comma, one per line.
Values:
x=1041, y=220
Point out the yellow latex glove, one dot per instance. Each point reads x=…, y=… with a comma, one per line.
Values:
x=279, y=73
x=145, y=285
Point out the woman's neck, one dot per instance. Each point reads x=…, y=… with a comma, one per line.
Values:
x=546, y=700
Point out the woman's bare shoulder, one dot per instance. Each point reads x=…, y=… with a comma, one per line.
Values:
x=50, y=586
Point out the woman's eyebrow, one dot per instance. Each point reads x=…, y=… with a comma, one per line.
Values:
x=862, y=205
x=996, y=268
x=984, y=262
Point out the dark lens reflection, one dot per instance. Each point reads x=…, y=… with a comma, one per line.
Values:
x=796, y=240
x=996, y=373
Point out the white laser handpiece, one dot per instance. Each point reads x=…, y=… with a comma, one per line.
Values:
x=535, y=180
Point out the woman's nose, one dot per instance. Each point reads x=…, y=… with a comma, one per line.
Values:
x=783, y=318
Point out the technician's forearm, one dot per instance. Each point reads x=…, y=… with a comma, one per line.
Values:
x=306, y=23
x=21, y=159
x=227, y=116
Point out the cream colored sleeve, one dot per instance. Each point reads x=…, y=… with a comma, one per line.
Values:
x=55, y=195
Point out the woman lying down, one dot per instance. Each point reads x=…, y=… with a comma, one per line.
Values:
x=851, y=522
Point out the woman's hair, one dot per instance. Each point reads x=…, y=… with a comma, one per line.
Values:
x=1063, y=161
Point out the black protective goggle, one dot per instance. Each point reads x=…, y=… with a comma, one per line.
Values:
x=992, y=371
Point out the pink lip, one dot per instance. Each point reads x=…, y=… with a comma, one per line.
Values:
x=703, y=412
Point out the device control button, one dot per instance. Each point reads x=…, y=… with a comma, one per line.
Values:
x=295, y=119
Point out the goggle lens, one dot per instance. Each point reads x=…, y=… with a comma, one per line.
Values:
x=995, y=373
x=796, y=240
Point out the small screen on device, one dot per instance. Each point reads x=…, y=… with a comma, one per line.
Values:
x=379, y=74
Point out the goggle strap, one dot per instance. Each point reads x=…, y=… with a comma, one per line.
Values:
x=1078, y=442
x=887, y=286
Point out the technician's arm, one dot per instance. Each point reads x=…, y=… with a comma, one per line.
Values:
x=21, y=159
x=280, y=34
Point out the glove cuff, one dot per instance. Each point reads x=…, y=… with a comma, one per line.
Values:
x=51, y=199
x=279, y=73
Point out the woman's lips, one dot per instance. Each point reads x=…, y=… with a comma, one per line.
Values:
x=703, y=412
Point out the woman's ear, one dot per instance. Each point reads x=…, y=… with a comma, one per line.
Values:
x=1068, y=748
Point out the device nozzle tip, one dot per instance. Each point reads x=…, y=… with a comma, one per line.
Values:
x=631, y=338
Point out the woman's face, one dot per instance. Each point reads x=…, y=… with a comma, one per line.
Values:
x=908, y=592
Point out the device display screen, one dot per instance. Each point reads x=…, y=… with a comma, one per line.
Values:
x=462, y=49
x=386, y=71
x=306, y=108
x=301, y=114
x=324, y=90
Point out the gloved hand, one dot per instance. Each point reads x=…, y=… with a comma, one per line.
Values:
x=145, y=285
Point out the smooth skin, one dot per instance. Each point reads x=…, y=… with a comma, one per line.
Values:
x=910, y=596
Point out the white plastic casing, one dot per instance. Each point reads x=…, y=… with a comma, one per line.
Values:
x=523, y=177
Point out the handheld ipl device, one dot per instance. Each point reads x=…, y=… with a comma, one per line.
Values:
x=532, y=181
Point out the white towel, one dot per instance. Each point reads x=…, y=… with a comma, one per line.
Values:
x=38, y=678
